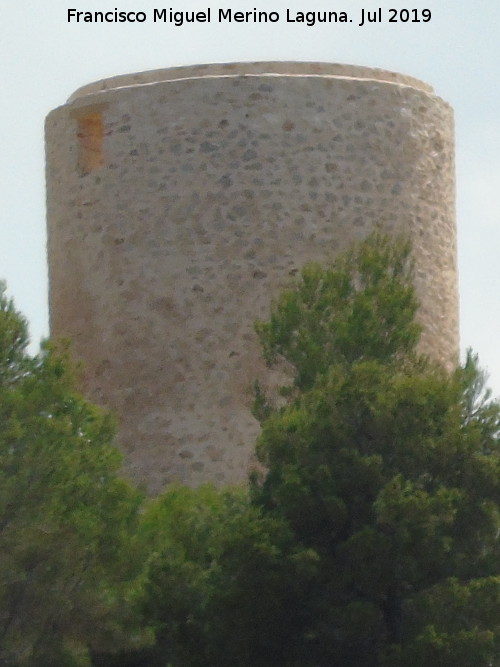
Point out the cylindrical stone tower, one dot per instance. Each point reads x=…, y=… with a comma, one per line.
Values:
x=181, y=201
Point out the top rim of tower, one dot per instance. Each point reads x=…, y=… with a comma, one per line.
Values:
x=266, y=68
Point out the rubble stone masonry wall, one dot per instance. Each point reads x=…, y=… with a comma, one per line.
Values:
x=181, y=201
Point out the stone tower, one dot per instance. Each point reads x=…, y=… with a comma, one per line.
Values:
x=181, y=201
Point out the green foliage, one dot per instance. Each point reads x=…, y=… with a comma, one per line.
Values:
x=454, y=624
x=65, y=516
x=395, y=484
x=372, y=539
x=13, y=340
x=363, y=307
x=220, y=581
x=387, y=469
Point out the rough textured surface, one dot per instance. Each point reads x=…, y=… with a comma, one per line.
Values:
x=181, y=201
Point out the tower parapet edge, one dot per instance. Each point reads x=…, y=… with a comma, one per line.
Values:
x=181, y=201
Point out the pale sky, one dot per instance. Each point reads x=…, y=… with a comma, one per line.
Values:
x=44, y=59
